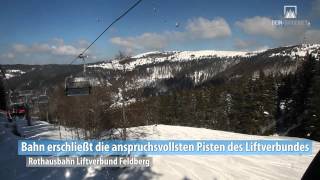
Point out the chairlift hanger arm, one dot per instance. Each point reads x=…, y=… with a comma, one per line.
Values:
x=85, y=89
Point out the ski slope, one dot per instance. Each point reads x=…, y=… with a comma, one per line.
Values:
x=164, y=167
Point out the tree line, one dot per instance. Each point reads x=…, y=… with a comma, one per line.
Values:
x=258, y=104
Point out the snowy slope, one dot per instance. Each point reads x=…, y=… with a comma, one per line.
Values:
x=145, y=54
x=13, y=73
x=164, y=167
x=151, y=68
x=299, y=51
x=172, y=56
x=180, y=56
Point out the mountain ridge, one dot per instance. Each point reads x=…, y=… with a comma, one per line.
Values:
x=147, y=69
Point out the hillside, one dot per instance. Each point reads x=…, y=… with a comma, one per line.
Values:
x=259, y=93
x=147, y=69
x=164, y=167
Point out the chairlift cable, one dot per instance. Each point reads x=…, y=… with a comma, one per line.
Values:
x=113, y=22
x=81, y=86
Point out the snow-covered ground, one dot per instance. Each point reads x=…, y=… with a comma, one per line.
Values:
x=182, y=56
x=172, y=56
x=10, y=73
x=164, y=167
x=300, y=51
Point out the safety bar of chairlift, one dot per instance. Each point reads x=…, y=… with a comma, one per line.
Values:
x=85, y=91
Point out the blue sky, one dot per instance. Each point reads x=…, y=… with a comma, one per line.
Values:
x=54, y=31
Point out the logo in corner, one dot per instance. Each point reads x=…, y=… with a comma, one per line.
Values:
x=290, y=18
x=290, y=12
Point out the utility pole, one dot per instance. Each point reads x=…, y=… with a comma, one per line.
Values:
x=3, y=90
x=124, y=118
x=28, y=117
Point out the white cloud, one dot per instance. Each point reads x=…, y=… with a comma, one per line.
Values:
x=8, y=55
x=53, y=51
x=208, y=29
x=57, y=41
x=35, y=48
x=198, y=28
x=248, y=45
x=316, y=8
x=257, y=26
x=20, y=48
x=244, y=44
x=146, y=41
x=262, y=26
x=312, y=36
x=57, y=48
x=65, y=50
x=40, y=48
x=83, y=43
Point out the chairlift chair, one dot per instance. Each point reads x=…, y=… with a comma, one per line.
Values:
x=43, y=99
x=78, y=86
x=25, y=93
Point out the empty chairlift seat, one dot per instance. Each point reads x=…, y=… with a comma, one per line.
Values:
x=77, y=86
x=25, y=93
x=43, y=99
